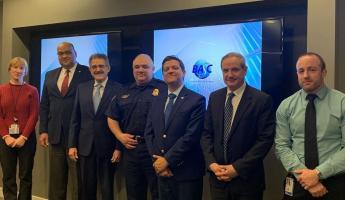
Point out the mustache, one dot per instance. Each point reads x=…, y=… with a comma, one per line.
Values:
x=98, y=72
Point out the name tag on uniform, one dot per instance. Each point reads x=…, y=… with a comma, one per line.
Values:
x=289, y=184
x=13, y=129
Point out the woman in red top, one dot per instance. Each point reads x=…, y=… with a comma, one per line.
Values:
x=19, y=107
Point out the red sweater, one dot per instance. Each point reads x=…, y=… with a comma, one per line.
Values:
x=27, y=107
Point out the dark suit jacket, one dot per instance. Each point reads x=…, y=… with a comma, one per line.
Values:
x=89, y=128
x=251, y=137
x=179, y=141
x=55, y=109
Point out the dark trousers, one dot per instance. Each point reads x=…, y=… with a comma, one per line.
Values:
x=8, y=158
x=63, y=174
x=139, y=173
x=335, y=186
x=93, y=169
x=230, y=193
x=171, y=189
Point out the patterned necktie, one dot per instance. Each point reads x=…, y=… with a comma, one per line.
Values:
x=310, y=139
x=169, y=107
x=228, y=112
x=64, y=85
x=97, y=96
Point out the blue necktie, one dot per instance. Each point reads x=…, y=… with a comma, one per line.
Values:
x=169, y=107
x=97, y=96
x=228, y=112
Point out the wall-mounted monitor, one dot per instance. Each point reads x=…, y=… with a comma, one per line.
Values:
x=85, y=45
x=202, y=47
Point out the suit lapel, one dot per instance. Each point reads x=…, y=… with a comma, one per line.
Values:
x=241, y=109
x=179, y=101
x=89, y=94
x=219, y=111
x=160, y=120
x=75, y=79
x=55, y=81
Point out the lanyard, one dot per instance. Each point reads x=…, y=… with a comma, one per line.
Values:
x=15, y=100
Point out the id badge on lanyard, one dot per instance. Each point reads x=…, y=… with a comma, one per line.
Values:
x=14, y=127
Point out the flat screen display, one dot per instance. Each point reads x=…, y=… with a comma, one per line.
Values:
x=201, y=50
x=85, y=45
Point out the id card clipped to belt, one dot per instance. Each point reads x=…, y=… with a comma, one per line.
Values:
x=289, y=185
x=14, y=128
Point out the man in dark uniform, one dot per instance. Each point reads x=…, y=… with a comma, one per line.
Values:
x=127, y=119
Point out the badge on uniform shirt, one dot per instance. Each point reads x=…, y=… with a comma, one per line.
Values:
x=289, y=184
x=155, y=92
x=125, y=96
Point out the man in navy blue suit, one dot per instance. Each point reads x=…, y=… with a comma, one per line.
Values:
x=57, y=99
x=238, y=133
x=91, y=142
x=173, y=134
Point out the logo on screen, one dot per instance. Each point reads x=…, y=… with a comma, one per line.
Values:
x=202, y=69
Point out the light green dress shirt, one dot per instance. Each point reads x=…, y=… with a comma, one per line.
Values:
x=330, y=116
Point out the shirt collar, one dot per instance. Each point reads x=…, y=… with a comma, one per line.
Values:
x=102, y=83
x=72, y=70
x=177, y=91
x=239, y=91
x=321, y=93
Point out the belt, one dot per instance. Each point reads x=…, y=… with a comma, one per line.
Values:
x=140, y=139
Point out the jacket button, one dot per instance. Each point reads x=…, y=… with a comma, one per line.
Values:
x=164, y=136
x=162, y=150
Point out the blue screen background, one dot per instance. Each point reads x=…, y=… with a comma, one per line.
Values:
x=84, y=46
x=210, y=43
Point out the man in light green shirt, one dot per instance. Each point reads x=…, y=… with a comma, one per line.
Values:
x=327, y=179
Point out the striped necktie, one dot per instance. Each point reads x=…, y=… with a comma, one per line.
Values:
x=228, y=112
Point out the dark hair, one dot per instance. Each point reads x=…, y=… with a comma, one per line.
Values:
x=101, y=56
x=168, y=58
x=322, y=61
x=237, y=55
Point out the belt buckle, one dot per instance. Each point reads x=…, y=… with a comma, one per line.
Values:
x=139, y=138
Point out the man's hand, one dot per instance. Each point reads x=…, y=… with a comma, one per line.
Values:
x=166, y=173
x=44, y=139
x=307, y=177
x=9, y=140
x=227, y=173
x=318, y=190
x=215, y=168
x=116, y=156
x=19, y=142
x=127, y=140
x=73, y=154
x=160, y=163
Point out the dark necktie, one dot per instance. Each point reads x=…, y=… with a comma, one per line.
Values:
x=64, y=85
x=228, y=112
x=169, y=107
x=97, y=96
x=310, y=139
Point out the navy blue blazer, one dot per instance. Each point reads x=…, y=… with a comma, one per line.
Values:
x=55, y=109
x=179, y=141
x=89, y=128
x=251, y=137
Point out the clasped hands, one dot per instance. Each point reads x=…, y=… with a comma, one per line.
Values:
x=15, y=142
x=160, y=165
x=223, y=172
x=309, y=179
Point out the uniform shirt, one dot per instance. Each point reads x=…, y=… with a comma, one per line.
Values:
x=131, y=108
x=330, y=116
